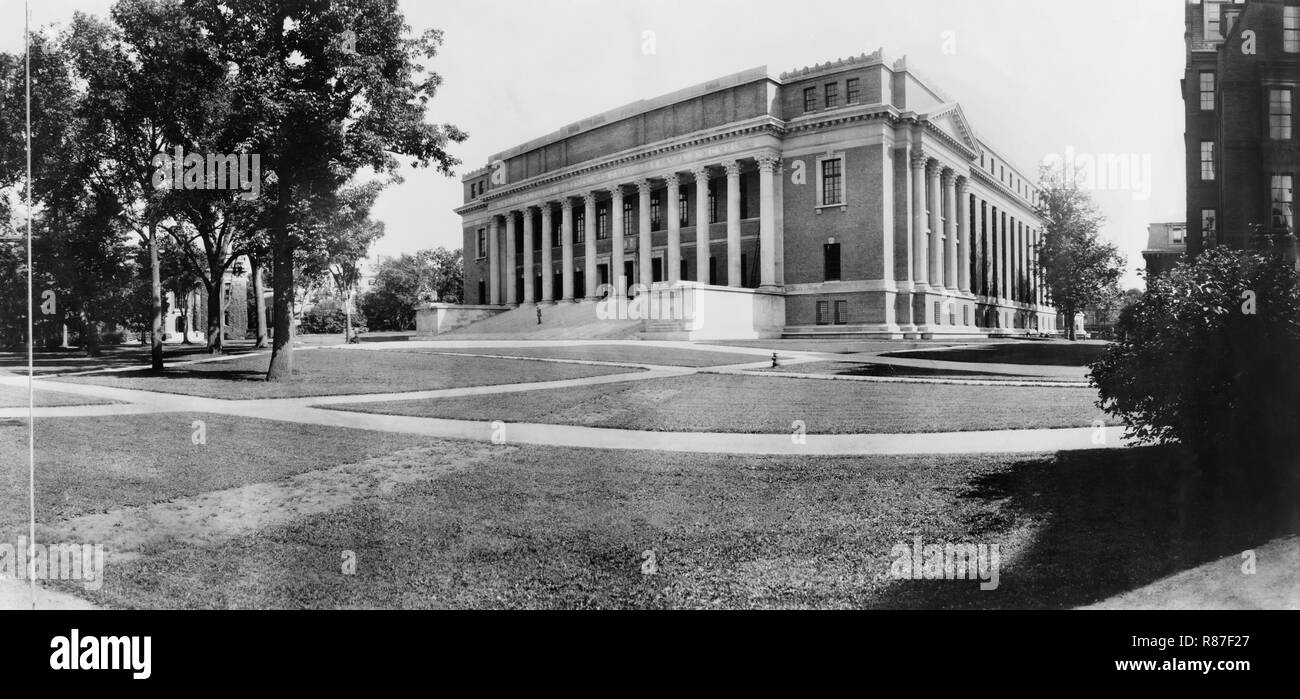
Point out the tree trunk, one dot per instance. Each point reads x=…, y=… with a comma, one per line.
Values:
x=1069, y=324
x=89, y=334
x=216, y=315
x=155, y=282
x=259, y=291
x=281, y=368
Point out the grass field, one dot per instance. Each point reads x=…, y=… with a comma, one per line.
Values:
x=59, y=361
x=892, y=371
x=1040, y=353
x=16, y=397
x=635, y=354
x=754, y=404
x=321, y=372
x=571, y=528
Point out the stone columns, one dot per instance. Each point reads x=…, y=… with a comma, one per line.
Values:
x=644, y=256
x=530, y=292
x=589, y=244
x=767, y=169
x=1004, y=245
x=616, y=242
x=733, y=223
x=936, y=225
x=966, y=258
x=494, y=263
x=566, y=249
x=548, y=265
x=511, y=289
x=674, y=257
x=920, y=254
x=950, y=229
x=701, y=173
x=977, y=284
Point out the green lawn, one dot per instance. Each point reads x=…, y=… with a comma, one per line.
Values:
x=842, y=368
x=567, y=528
x=93, y=464
x=756, y=404
x=59, y=361
x=16, y=397
x=634, y=354
x=320, y=372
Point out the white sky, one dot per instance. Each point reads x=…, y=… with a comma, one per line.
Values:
x=1034, y=77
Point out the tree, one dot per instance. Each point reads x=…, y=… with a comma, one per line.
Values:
x=1080, y=268
x=1207, y=360
x=402, y=282
x=321, y=109
x=343, y=238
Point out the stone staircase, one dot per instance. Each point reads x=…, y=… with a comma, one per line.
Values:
x=561, y=321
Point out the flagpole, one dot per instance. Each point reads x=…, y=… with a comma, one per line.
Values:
x=31, y=336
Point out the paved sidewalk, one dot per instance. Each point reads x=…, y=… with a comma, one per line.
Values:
x=17, y=595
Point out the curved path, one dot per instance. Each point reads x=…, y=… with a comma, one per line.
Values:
x=304, y=410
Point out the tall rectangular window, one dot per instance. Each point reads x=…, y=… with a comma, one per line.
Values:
x=1279, y=115
x=852, y=92
x=832, y=95
x=482, y=243
x=841, y=312
x=1208, y=235
x=809, y=99
x=1207, y=161
x=602, y=222
x=1282, y=212
x=831, y=261
x=823, y=312
x=1291, y=29
x=713, y=204
x=1207, y=91
x=683, y=211
x=832, y=181
x=656, y=212
x=579, y=227
x=629, y=218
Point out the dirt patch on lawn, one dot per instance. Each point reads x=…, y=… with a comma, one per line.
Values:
x=225, y=514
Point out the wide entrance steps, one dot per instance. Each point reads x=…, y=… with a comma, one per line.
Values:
x=561, y=321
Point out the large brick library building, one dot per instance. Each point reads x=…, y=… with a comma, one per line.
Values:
x=849, y=198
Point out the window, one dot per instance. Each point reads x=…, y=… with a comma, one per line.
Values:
x=823, y=312
x=482, y=243
x=683, y=211
x=656, y=213
x=832, y=95
x=852, y=93
x=831, y=261
x=938, y=311
x=1282, y=213
x=602, y=222
x=473, y=190
x=809, y=99
x=1207, y=227
x=1212, y=17
x=1279, y=115
x=1291, y=29
x=482, y=292
x=579, y=226
x=841, y=312
x=713, y=204
x=1207, y=91
x=1207, y=161
x=832, y=182
x=744, y=196
x=629, y=219
x=1177, y=236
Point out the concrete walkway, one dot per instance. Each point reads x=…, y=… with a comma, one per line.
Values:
x=305, y=410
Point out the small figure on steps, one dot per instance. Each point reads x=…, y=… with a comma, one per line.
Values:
x=539, y=315
x=774, y=364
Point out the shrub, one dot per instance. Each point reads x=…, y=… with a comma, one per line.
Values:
x=327, y=318
x=1210, y=358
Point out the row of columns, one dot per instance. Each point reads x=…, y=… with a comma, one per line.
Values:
x=502, y=278
x=949, y=248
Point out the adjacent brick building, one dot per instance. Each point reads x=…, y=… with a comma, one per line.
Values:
x=1239, y=92
x=1166, y=247
x=850, y=198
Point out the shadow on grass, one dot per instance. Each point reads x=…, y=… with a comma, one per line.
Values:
x=893, y=371
x=1039, y=353
x=59, y=361
x=1110, y=521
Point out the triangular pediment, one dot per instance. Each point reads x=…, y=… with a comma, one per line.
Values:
x=950, y=119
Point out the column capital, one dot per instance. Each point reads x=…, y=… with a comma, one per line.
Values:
x=963, y=185
x=643, y=187
x=919, y=158
x=768, y=162
x=732, y=167
x=948, y=176
x=589, y=199
x=701, y=172
x=616, y=191
x=673, y=180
